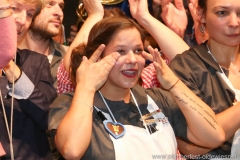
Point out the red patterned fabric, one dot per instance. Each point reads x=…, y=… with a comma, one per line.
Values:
x=64, y=82
x=149, y=78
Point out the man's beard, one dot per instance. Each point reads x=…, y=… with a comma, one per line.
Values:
x=41, y=31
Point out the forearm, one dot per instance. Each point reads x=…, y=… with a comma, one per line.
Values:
x=230, y=115
x=164, y=36
x=191, y=149
x=82, y=37
x=76, y=126
x=203, y=126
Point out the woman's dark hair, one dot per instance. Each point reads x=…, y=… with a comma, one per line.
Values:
x=101, y=33
x=203, y=5
x=113, y=12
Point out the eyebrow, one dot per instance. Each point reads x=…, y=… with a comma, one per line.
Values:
x=138, y=45
x=120, y=46
x=224, y=7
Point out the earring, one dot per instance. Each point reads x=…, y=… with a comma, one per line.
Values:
x=202, y=28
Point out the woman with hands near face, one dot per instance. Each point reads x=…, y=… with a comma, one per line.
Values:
x=109, y=112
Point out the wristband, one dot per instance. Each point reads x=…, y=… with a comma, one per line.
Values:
x=173, y=85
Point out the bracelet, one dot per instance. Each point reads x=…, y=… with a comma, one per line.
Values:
x=4, y=7
x=173, y=85
x=91, y=107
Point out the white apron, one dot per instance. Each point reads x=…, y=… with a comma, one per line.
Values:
x=137, y=144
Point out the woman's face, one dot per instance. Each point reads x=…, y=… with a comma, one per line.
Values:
x=127, y=70
x=223, y=21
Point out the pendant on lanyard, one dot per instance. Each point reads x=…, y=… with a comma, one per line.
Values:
x=116, y=129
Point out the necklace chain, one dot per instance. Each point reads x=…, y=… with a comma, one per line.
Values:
x=216, y=60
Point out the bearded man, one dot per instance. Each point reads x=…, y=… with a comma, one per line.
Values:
x=39, y=38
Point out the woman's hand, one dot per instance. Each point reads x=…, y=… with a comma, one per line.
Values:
x=174, y=16
x=138, y=8
x=164, y=74
x=93, y=73
x=94, y=8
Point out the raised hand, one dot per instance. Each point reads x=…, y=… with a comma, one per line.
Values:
x=164, y=74
x=93, y=7
x=95, y=12
x=174, y=16
x=197, y=15
x=138, y=8
x=93, y=73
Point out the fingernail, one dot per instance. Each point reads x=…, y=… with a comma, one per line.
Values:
x=102, y=46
